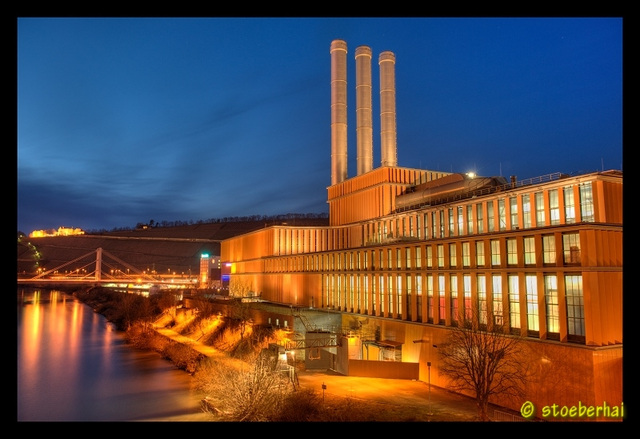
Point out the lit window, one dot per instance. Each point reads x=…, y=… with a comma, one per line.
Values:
x=529, y=250
x=586, y=203
x=495, y=252
x=571, y=248
x=512, y=251
x=569, y=205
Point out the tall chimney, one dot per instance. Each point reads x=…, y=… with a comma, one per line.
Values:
x=364, y=116
x=387, y=62
x=338, y=111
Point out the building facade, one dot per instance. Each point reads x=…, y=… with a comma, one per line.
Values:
x=411, y=253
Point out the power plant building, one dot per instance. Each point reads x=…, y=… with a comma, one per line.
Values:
x=410, y=253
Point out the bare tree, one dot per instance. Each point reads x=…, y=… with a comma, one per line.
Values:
x=253, y=393
x=241, y=312
x=239, y=287
x=484, y=362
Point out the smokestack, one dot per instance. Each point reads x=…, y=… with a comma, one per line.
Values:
x=387, y=62
x=364, y=116
x=338, y=111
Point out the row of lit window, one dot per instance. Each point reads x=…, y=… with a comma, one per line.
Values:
x=466, y=254
x=511, y=301
x=521, y=211
x=515, y=212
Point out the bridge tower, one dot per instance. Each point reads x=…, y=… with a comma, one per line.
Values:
x=99, y=264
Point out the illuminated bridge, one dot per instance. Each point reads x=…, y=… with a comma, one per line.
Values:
x=100, y=267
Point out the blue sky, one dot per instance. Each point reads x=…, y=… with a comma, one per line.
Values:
x=124, y=120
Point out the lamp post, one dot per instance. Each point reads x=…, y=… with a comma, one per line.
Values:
x=430, y=413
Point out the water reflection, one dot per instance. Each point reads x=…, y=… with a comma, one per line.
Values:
x=74, y=366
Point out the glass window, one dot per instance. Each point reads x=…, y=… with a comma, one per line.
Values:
x=502, y=214
x=418, y=257
x=482, y=299
x=513, y=212
x=512, y=251
x=533, y=322
x=526, y=211
x=425, y=224
x=551, y=303
x=399, y=294
x=466, y=254
x=441, y=235
x=441, y=302
x=480, y=219
x=466, y=281
x=495, y=252
x=390, y=297
x=569, y=205
x=453, y=257
x=586, y=203
x=480, y=253
x=453, y=284
x=496, y=281
x=373, y=295
x=440, y=249
x=540, y=217
x=419, y=296
x=452, y=230
x=407, y=254
x=571, y=248
x=514, y=302
x=549, y=249
x=490, y=216
x=429, y=256
x=469, y=219
x=430, y=304
x=352, y=288
x=554, y=207
x=575, y=306
x=460, y=221
x=529, y=250
x=382, y=293
x=433, y=225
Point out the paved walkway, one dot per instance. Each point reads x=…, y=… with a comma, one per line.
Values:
x=408, y=398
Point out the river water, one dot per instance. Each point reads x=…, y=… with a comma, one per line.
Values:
x=73, y=365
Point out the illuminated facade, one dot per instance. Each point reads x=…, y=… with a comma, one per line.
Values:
x=62, y=231
x=409, y=253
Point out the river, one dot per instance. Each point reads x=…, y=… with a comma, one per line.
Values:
x=73, y=365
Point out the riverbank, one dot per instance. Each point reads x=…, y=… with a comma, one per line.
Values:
x=344, y=398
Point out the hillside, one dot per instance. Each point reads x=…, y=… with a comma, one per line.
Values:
x=177, y=248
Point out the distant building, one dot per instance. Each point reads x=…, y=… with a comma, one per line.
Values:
x=410, y=253
x=62, y=231
x=210, y=271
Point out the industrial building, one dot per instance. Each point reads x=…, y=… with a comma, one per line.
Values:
x=410, y=253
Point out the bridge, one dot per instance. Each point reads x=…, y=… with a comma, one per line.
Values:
x=109, y=271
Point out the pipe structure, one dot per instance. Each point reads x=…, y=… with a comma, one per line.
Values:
x=338, y=111
x=364, y=118
x=388, y=146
